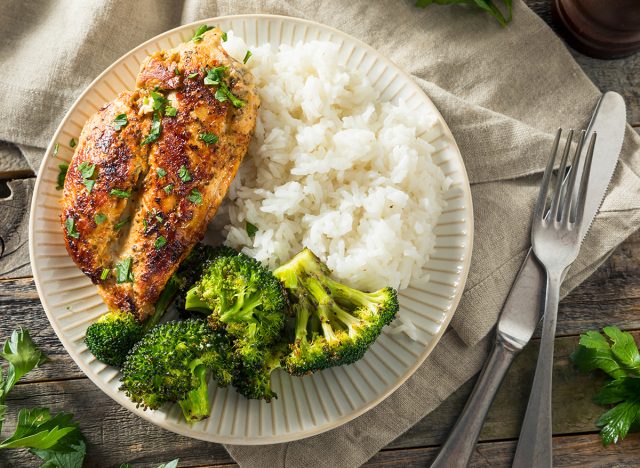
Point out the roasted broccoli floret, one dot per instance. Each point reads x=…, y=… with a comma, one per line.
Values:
x=112, y=336
x=242, y=298
x=172, y=363
x=335, y=324
x=190, y=271
x=255, y=382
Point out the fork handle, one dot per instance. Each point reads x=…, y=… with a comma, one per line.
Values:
x=534, y=445
x=457, y=450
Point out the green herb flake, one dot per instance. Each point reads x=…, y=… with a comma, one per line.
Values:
x=215, y=76
x=192, y=75
x=100, y=218
x=251, y=229
x=123, y=271
x=56, y=148
x=87, y=172
x=105, y=273
x=89, y=183
x=169, y=188
x=170, y=111
x=62, y=174
x=195, y=197
x=177, y=72
x=120, y=121
x=120, y=193
x=119, y=224
x=183, y=173
x=70, y=225
x=224, y=36
x=247, y=56
x=161, y=172
x=160, y=242
x=72, y=143
x=208, y=138
x=156, y=128
x=197, y=35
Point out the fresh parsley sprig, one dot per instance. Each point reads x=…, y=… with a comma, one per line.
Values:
x=486, y=5
x=616, y=354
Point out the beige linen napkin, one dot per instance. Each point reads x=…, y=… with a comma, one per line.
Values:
x=503, y=92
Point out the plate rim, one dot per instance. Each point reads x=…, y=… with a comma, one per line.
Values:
x=184, y=429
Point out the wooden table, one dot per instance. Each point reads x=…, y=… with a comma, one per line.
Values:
x=114, y=435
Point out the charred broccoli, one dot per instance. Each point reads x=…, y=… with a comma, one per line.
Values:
x=172, y=363
x=112, y=336
x=335, y=324
x=190, y=271
x=247, y=302
x=255, y=381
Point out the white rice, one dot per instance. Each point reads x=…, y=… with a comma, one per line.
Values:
x=335, y=169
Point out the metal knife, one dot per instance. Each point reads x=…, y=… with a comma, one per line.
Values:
x=522, y=309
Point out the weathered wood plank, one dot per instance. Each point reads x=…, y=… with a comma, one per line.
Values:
x=13, y=164
x=578, y=450
x=14, y=226
x=114, y=435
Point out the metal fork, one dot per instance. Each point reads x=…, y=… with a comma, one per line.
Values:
x=555, y=237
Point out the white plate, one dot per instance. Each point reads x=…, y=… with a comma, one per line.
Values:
x=307, y=405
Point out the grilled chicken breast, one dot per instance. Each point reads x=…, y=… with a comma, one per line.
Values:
x=152, y=167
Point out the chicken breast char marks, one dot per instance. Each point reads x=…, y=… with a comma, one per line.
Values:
x=139, y=203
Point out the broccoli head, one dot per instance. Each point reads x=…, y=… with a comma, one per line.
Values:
x=335, y=324
x=255, y=381
x=172, y=363
x=112, y=336
x=242, y=298
x=190, y=271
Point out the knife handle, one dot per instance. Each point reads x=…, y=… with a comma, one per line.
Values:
x=457, y=450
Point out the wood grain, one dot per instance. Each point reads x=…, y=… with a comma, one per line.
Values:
x=14, y=228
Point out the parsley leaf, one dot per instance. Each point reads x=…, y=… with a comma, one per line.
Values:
x=159, y=101
x=72, y=143
x=119, y=224
x=197, y=36
x=224, y=36
x=63, y=168
x=161, y=172
x=251, y=229
x=120, y=193
x=486, y=5
x=177, y=72
x=171, y=464
x=156, y=128
x=56, y=148
x=208, y=138
x=192, y=75
x=100, y=218
x=247, y=56
x=87, y=171
x=23, y=356
x=615, y=353
x=169, y=188
x=123, y=271
x=183, y=173
x=160, y=242
x=120, y=122
x=105, y=273
x=70, y=224
x=195, y=197
x=215, y=76
x=170, y=111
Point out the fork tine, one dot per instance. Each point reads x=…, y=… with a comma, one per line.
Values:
x=557, y=194
x=584, y=180
x=539, y=211
x=573, y=176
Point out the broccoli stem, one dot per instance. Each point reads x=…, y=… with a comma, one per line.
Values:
x=242, y=311
x=193, y=302
x=163, y=303
x=195, y=406
x=351, y=297
x=302, y=320
x=325, y=305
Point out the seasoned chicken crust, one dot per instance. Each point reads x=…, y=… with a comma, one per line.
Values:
x=134, y=206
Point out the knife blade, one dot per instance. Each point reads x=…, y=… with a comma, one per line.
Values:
x=522, y=309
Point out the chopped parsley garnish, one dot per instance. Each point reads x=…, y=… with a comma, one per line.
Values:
x=160, y=242
x=120, y=193
x=72, y=143
x=63, y=168
x=87, y=171
x=209, y=138
x=247, y=56
x=70, y=224
x=224, y=36
x=195, y=197
x=170, y=111
x=100, y=218
x=105, y=274
x=156, y=127
x=251, y=229
x=159, y=101
x=177, y=72
x=123, y=271
x=169, y=188
x=119, y=224
x=56, y=148
x=120, y=121
x=197, y=36
x=215, y=77
x=161, y=172
x=184, y=175
x=192, y=75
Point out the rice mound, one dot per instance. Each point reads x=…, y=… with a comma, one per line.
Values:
x=335, y=169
